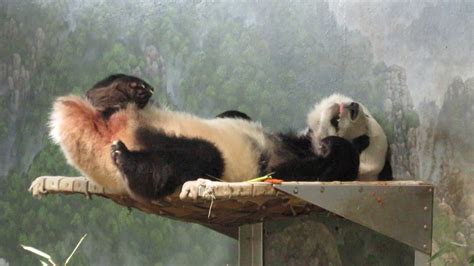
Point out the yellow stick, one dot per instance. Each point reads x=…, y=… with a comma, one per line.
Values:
x=260, y=179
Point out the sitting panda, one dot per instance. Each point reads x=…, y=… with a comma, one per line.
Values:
x=339, y=115
x=127, y=145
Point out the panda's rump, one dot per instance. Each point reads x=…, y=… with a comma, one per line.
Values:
x=85, y=139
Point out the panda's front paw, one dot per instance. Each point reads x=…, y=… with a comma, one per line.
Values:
x=118, y=150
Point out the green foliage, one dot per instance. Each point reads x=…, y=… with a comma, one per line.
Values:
x=412, y=119
x=446, y=226
x=270, y=61
x=276, y=61
x=54, y=223
x=3, y=122
x=119, y=60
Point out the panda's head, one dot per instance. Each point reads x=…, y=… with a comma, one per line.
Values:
x=336, y=115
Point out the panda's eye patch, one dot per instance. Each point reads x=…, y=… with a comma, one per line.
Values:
x=335, y=122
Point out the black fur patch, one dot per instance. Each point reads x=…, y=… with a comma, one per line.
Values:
x=386, y=173
x=298, y=145
x=167, y=163
x=361, y=143
x=116, y=91
x=340, y=162
x=335, y=123
x=109, y=80
x=234, y=114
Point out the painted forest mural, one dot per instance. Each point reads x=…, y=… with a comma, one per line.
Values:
x=410, y=63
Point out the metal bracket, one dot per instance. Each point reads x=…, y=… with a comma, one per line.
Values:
x=251, y=245
x=402, y=210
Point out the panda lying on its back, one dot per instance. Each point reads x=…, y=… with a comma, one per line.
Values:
x=125, y=144
x=338, y=115
x=177, y=146
x=168, y=162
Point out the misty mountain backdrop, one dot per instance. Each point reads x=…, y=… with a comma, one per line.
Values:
x=410, y=63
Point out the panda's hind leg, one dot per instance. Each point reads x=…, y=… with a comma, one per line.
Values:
x=138, y=171
x=166, y=163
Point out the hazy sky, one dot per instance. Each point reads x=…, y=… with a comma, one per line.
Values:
x=432, y=40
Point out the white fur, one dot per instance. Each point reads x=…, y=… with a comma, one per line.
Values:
x=86, y=138
x=54, y=121
x=372, y=159
x=73, y=126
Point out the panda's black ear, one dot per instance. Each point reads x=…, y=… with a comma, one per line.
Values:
x=361, y=143
x=234, y=114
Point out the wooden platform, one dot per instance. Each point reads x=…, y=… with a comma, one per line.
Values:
x=399, y=209
x=218, y=205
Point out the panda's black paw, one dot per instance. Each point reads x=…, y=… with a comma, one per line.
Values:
x=141, y=93
x=118, y=150
x=361, y=143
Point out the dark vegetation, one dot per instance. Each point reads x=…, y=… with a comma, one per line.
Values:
x=270, y=61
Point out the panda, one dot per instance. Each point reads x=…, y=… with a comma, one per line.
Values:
x=225, y=148
x=338, y=159
x=169, y=161
x=339, y=115
x=132, y=147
